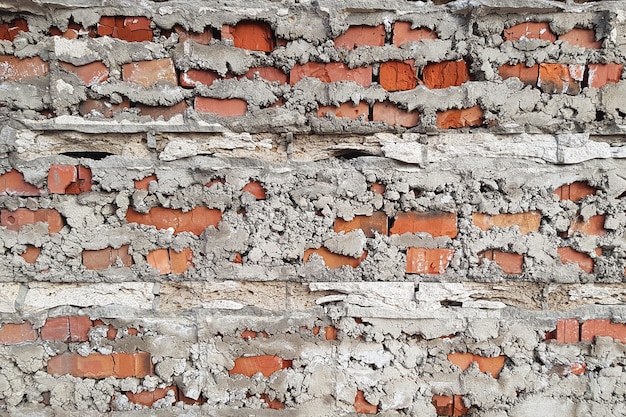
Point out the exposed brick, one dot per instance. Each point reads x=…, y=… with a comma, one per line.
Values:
x=491, y=365
x=569, y=255
x=428, y=261
x=457, y=118
x=166, y=112
x=13, y=183
x=577, y=368
x=272, y=404
x=603, y=74
x=69, y=179
x=181, y=261
x=168, y=261
x=79, y=328
x=567, y=331
x=446, y=74
x=16, y=69
x=144, y=183
x=195, y=77
x=459, y=407
x=559, y=78
x=444, y=405
x=361, y=405
x=194, y=220
x=333, y=260
x=330, y=333
x=510, y=263
x=376, y=223
x=270, y=74
x=56, y=328
x=378, y=188
x=402, y=33
x=331, y=72
x=575, y=191
x=585, y=38
x=266, y=364
x=527, y=222
x=250, y=34
x=149, y=73
x=16, y=333
x=592, y=328
x=593, y=226
x=529, y=30
x=435, y=223
x=102, y=107
x=103, y=258
x=147, y=398
x=391, y=114
x=398, y=75
x=89, y=74
x=73, y=31
x=31, y=254
x=256, y=189
x=92, y=366
x=9, y=30
x=14, y=220
x=347, y=110
x=248, y=334
x=527, y=75
x=130, y=29
x=221, y=106
x=202, y=38
x=128, y=365
x=361, y=35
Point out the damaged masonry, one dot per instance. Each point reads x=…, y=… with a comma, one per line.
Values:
x=312, y=208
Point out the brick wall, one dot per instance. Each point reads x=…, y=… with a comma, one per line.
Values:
x=409, y=209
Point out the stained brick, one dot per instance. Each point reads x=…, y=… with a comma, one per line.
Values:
x=9, y=30
x=195, y=77
x=202, y=38
x=397, y=75
x=104, y=258
x=266, y=364
x=434, y=223
x=194, y=220
x=510, y=263
x=69, y=179
x=529, y=30
x=527, y=222
x=166, y=112
x=361, y=405
x=559, y=78
x=16, y=69
x=73, y=31
x=149, y=73
x=331, y=72
x=333, y=260
x=252, y=35
x=575, y=191
x=130, y=29
x=221, y=106
x=402, y=33
x=391, y=114
x=376, y=223
x=102, y=107
x=347, y=110
x=603, y=74
x=12, y=183
x=527, y=75
x=457, y=118
x=428, y=261
x=361, y=35
x=446, y=74
x=92, y=366
x=14, y=220
x=89, y=74
x=16, y=333
x=585, y=38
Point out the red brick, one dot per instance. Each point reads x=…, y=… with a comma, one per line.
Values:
x=144, y=183
x=14, y=220
x=435, y=223
x=459, y=406
x=221, y=106
x=462, y=360
x=92, y=366
x=147, y=398
x=130, y=29
x=252, y=35
x=9, y=30
x=15, y=69
x=378, y=188
x=330, y=333
x=510, y=263
x=594, y=226
x=16, y=333
x=402, y=33
x=558, y=78
x=102, y=107
x=603, y=74
x=266, y=364
x=567, y=331
x=333, y=260
x=569, y=255
x=181, y=261
x=194, y=78
x=575, y=191
x=578, y=368
x=446, y=74
x=361, y=35
x=79, y=328
x=585, y=38
x=270, y=74
x=202, y=38
x=149, y=73
x=444, y=405
x=194, y=221
x=12, y=183
x=527, y=75
x=256, y=189
x=168, y=261
x=391, y=114
x=361, y=405
x=398, y=76
x=527, y=222
x=238, y=259
x=428, y=261
x=331, y=72
x=31, y=254
x=376, y=223
x=68, y=179
x=90, y=74
x=347, y=110
x=529, y=30
x=73, y=31
x=57, y=328
x=592, y=328
x=492, y=365
x=272, y=404
x=248, y=334
x=166, y=112
x=457, y=118
x=132, y=365
x=104, y=258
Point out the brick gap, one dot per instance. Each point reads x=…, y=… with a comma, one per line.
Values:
x=370, y=113
x=95, y=155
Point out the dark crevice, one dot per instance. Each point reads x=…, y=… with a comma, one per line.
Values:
x=89, y=155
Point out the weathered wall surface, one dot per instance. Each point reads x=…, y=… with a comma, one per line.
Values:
x=312, y=208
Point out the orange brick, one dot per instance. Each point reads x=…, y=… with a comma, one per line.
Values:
x=150, y=73
x=68, y=179
x=603, y=74
x=181, y=261
x=457, y=118
x=79, y=328
x=194, y=78
x=402, y=33
x=9, y=30
x=333, y=260
x=90, y=74
x=575, y=191
x=248, y=334
x=569, y=255
x=376, y=223
x=347, y=110
x=256, y=189
x=330, y=333
x=97, y=260
x=127, y=365
x=428, y=261
x=13, y=183
x=16, y=333
x=462, y=360
x=594, y=226
x=459, y=406
x=92, y=366
x=592, y=328
x=492, y=365
x=57, y=328
x=102, y=107
x=558, y=78
x=585, y=38
x=272, y=404
x=266, y=364
x=567, y=331
x=331, y=72
x=159, y=259
x=577, y=368
x=166, y=112
x=510, y=263
x=391, y=114
x=444, y=405
x=194, y=221
x=15, y=69
x=130, y=29
x=378, y=188
x=144, y=183
x=221, y=106
x=270, y=74
x=73, y=31
x=14, y=220
x=446, y=74
x=147, y=398
x=398, y=76
x=362, y=35
x=527, y=75
x=202, y=38
x=361, y=405
x=250, y=34
x=31, y=254
x=527, y=222
x=529, y=30
x=435, y=223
